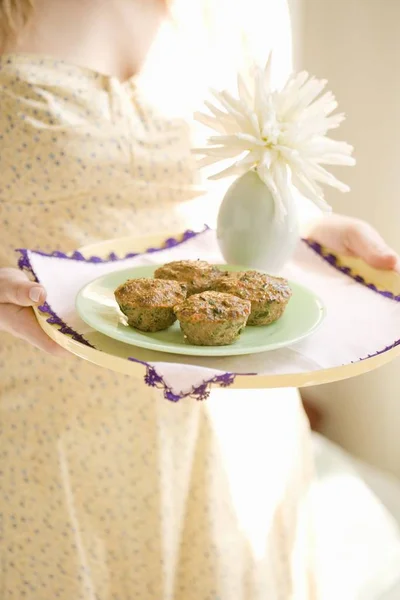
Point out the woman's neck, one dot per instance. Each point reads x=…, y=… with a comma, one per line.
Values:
x=110, y=36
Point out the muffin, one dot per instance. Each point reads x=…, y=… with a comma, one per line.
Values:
x=149, y=303
x=268, y=295
x=197, y=275
x=212, y=318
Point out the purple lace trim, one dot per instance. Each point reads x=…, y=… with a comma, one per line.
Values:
x=112, y=257
x=201, y=392
x=390, y=347
x=152, y=378
x=334, y=262
x=25, y=265
x=62, y=326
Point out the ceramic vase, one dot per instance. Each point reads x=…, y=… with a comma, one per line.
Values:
x=248, y=234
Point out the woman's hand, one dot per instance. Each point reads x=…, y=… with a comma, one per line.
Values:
x=17, y=296
x=349, y=237
x=353, y=237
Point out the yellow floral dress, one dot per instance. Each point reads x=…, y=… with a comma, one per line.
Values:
x=108, y=491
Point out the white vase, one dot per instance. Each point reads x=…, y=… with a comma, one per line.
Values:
x=248, y=234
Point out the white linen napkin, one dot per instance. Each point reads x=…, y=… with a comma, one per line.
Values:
x=361, y=321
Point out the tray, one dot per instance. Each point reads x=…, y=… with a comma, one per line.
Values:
x=111, y=354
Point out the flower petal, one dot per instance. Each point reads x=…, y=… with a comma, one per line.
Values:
x=207, y=161
x=279, y=172
x=253, y=125
x=221, y=151
x=282, y=133
x=267, y=72
x=238, y=168
x=310, y=191
x=265, y=174
x=309, y=91
x=243, y=92
x=209, y=121
x=239, y=139
x=336, y=159
x=320, y=174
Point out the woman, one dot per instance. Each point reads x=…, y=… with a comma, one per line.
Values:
x=108, y=491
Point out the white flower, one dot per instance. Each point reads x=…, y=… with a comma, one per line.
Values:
x=281, y=134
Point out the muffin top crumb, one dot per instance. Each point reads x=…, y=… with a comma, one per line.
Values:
x=212, y=306
x=148, y=293
x=198, y=275
x=254, y=286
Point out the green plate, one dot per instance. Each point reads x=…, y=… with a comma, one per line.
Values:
x=96, y=305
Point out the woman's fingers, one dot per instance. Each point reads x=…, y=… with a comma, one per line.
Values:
x=22, y=323
x=353, y=237
x=17, y=296
x=364, y=241
x=15, y=288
